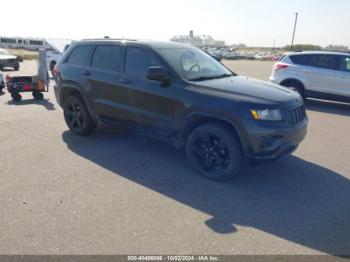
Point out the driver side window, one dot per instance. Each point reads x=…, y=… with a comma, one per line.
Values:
x=138, y=60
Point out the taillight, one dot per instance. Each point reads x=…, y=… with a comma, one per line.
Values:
x=279, y=66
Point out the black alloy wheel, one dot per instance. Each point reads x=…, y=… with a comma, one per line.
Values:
x=214, y=152
x=77, y=116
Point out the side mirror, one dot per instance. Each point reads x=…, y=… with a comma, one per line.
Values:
x=158, y=73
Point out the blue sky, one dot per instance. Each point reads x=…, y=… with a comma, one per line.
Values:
x=254, y=22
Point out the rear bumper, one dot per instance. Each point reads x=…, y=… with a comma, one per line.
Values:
x=269, y=144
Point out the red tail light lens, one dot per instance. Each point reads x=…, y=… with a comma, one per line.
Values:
x=280, y=66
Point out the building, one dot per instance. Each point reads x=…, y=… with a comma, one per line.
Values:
x=26, y=43
x=198, y=40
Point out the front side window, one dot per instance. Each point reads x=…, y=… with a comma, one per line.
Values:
x=80, y=56
x=107, y=57
x=193, y=64
x=344, y=64
x=138, y=60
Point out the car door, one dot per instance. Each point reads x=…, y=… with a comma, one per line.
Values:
x=103, y=76
x=342, y=77
x=320, y=73
x=145, y=103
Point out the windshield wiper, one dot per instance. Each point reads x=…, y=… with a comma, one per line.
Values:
x=203, y=78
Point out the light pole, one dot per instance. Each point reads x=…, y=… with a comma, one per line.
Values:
x=295, y=26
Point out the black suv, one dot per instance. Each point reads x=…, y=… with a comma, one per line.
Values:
x=181, y=95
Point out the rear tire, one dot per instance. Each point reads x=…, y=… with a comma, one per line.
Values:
x=214, y=152
x=77, y=117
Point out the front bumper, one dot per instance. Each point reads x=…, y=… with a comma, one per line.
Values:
x=269, y=143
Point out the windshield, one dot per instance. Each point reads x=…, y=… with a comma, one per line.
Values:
x=193, y=64
x=3, y=52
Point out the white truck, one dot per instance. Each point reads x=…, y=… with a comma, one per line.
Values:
x=58, y=46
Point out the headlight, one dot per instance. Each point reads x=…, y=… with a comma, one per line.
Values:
x=267, y=115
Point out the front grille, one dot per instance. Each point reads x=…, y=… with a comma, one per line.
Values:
x=11, y=60
x=296, y=115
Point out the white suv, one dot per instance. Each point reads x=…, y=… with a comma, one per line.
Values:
x=324, y=75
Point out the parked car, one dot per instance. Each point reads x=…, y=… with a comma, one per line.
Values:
x=8, y=60
x=217, y=57
x=324, y=75
x=59, y=46
x=2, y=82
x=179, y=94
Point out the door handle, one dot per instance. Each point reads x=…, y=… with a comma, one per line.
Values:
x=85, y=73
x=125, y=81
x=307, y=71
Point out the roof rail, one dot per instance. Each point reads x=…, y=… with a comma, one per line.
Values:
x=108, y=38
x=324, y=50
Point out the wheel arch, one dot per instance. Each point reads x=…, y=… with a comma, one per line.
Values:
x=293, y=80
x=196, y=119
x=72, y=90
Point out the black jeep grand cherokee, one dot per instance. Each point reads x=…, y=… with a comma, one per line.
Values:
x=181, y=95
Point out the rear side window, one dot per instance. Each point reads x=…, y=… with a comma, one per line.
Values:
x=138, y=60
x=301, y=59
x=107, y=57
x=320, y=61
x=81, y=55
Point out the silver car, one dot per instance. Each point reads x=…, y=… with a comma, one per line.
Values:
x=324, y=75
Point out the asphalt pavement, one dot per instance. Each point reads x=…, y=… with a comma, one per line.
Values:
x=118, y=193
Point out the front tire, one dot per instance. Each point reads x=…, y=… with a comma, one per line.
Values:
x=77, y=117
x=214, y=152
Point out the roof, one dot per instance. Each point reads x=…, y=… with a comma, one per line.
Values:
x=318, y=52
x=149, y=43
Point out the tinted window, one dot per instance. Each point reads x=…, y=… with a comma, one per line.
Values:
x=324, y=61
x=301, y=59
x=321, y=61
x=138, y=60
x=107, y=57
x=80, y=56
x=344, y=64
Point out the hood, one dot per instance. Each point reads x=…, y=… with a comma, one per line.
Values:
x=248, y=89
x=7, y=56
